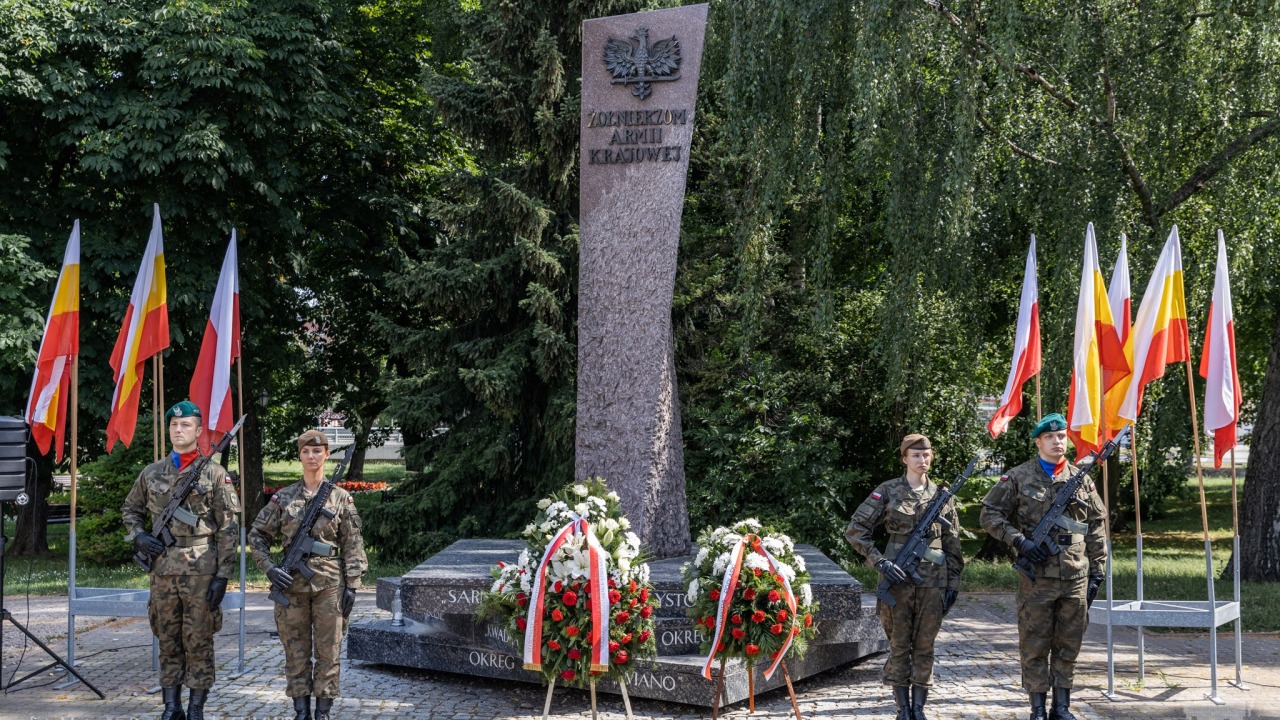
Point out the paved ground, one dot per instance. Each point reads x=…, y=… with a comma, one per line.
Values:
x=976, y=677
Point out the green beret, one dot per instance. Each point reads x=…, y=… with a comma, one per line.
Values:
x=1053, y=422
x=186, y=408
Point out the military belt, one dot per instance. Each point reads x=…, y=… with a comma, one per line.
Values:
x=189, y=541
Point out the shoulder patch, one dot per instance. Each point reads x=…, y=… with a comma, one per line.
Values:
x=351, y=500
x=227, y=479
x=1004, y=478
x=275, y=498
x=876, y=496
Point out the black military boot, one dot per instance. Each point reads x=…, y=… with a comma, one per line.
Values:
x=195, y=705
x=172, y=704
x=1061, y=709
x=322, y=708
x=1037, y=706
x=902, y=698
x=302, y=708
x=919, y=696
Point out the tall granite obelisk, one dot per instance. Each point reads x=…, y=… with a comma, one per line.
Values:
x=639, y=89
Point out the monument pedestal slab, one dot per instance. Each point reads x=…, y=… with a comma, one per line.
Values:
x=439, y=597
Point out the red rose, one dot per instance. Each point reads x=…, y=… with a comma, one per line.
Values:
x=614, y=646
x=553, y=644
x=520, y=623
x=575, y=585
x=574, y=653
x=795, y=631
x=522, y=599
x=709, y=621
x=774, y=596
x=557, y=615
x=753, y=649
x=559, y=586
x=644, y=592
x=568, y=675
x=644, y=636
x=571, y=631
x=615, y=597
x=621, y=657
x=776, y=629
x=612, y=584
x=782, y=615
x=569, y=599
x=714, y=594
x=756, y=571
x=622, y=617
x=626, y=639
x=720, y=647
x=757, y=616
x=633, y=602
x=749, y=594
x=808, y=620
x=646, y=611
x=736, y=619
x=737, y=633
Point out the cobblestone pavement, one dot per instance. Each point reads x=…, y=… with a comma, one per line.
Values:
x=977, y=677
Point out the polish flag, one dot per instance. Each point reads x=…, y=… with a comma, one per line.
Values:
x=1026, y=349
x=211, y=383
x=1218, y=364
x=1097, y=347
x=1120, y=296
x=144, y=332
x=47, y=403
x=1159, y=335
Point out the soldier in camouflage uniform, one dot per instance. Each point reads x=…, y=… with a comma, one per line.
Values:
x=189, y=579
x=1054, y=611
x=318, y=608
x=913, y=623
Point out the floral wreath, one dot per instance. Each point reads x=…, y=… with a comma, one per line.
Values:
x=577, y=601
x=750, y=592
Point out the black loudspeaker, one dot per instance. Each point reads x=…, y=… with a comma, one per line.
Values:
x=13, y=459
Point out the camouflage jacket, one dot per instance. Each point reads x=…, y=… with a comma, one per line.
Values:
x=280, y=520
x=1015, y=505
x=208, y=548
x=896, y=505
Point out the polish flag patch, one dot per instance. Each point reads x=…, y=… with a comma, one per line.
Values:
x=1004, y=478
x=875, y=496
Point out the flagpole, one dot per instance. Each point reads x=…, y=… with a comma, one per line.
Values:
x=1137, y=522
x=1106, y=527
x=1039, y=410
x=240, y=465
x=1208, y=546
x=155, y=412
x=160, y=374
x=71, y=540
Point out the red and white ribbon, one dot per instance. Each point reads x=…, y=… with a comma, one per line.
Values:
x=729, y=586
x=597, y=590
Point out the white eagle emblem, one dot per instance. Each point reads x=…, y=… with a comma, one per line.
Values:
x=634, y=61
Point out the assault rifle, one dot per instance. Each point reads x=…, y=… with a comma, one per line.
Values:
x=917, y=544
x=174, y=510
x=1053, y=522
x=302, y=544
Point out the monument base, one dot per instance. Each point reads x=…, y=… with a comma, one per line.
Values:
x=441, y=633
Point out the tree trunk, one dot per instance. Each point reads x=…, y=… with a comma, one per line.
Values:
x=253, y=500
x=31, y=538
x=1260, y=507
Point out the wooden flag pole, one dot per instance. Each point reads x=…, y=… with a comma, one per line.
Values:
x=155, y=411
x=163, y=428
x=791, y=689
x=719, y=694
x=1039, y=409
x=1195, y=431
x=1208, y=545
x=243, y=517
x=546, y=707
x=751, y=689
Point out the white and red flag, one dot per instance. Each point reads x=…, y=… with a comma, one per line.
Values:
x=144, y=333
x=1097, y=351
x=1026, y=349
x=211, y=383
x=1120, y=297
x=50, y=386
x=1218, y=364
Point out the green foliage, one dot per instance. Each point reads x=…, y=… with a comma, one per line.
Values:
x=101, y=489
x=21, y=324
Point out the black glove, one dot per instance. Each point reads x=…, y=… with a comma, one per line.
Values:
x=1095, y=582
x=1030, y=550
x=217, y=590
x=148, y=544
x=347, y=602
x=891, y=571
x=280, y=579
x=949, y=599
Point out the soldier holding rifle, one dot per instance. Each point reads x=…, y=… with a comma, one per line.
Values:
x=913, y=600
x=314, y=584
x=189, y=555
x=1061, y=573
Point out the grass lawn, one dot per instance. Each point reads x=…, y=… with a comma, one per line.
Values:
x=48, y=575
x=1172, y=562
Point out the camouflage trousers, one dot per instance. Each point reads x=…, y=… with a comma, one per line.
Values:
x=911, y=626
x=1052, y=617
x=312, y=622
x=184, y=625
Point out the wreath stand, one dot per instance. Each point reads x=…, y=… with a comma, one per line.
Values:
x=595, y=715
x=718, y=698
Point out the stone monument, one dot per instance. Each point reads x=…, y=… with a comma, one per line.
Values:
x=639, y=90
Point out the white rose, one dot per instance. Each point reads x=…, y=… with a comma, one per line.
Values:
x=611, y=524
x=613, y=496
x=625, y=523
x=582, y=509
x=806, y=594
x=544, y=503
x=581, y=490
x=692, y=595
x=624, y=564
